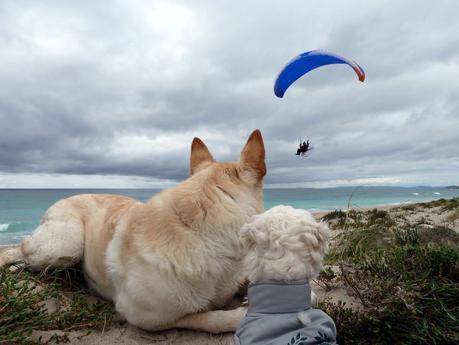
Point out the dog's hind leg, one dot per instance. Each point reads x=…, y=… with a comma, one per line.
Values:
x=57, y=242
x=216, y=321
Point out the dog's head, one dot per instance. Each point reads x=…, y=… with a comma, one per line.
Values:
x=222, y=193
x=251, y=165
x=229, y=177
x=284, y=243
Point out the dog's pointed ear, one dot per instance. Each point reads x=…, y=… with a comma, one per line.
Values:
x=199, y=154
x=253, y=155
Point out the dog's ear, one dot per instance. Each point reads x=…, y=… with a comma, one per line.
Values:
x=253, y=155
x=316, y=239
x=250, y=235
x=199, y=154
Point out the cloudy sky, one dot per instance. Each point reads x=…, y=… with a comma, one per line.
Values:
x=111, y=93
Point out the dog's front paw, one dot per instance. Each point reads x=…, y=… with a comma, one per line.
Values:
x=234, y=318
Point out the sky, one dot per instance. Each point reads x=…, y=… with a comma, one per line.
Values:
x=111, y=93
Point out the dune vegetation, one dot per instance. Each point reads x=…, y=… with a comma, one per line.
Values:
x=54, y=300
x=401, y=266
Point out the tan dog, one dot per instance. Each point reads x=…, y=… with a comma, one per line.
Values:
x=169, y=262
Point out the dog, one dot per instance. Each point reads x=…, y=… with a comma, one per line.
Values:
x=171, y=262
x=284, y=248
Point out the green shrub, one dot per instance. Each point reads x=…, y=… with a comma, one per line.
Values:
x=438, y=235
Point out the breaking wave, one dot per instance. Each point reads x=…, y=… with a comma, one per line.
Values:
x=4, y=227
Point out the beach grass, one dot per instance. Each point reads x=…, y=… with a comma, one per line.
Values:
x=404, y=273
x=54, y=300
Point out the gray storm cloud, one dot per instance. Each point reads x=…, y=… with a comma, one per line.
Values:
x=121, y=90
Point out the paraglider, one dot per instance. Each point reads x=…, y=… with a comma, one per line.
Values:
x=304, y=148
x=306, y=62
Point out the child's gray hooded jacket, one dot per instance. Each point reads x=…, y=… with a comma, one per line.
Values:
x=272, y=317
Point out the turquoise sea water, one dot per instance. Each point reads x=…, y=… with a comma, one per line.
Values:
x=21, y=209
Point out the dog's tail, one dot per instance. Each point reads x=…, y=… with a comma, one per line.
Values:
x=10, y=254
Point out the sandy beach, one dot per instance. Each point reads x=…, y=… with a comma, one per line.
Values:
x=426, y=218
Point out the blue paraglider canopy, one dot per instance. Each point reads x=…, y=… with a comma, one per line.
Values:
x=308, y=61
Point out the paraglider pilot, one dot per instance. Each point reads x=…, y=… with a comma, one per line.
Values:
x=304, y=148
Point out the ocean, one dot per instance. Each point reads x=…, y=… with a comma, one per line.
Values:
x=21, y=209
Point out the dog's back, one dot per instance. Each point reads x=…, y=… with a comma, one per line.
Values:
x=174, y=255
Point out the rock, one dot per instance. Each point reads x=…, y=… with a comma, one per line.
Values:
x=51, y=305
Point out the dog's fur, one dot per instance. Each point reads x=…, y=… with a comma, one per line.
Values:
x=284, y=243
x=169, y=262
